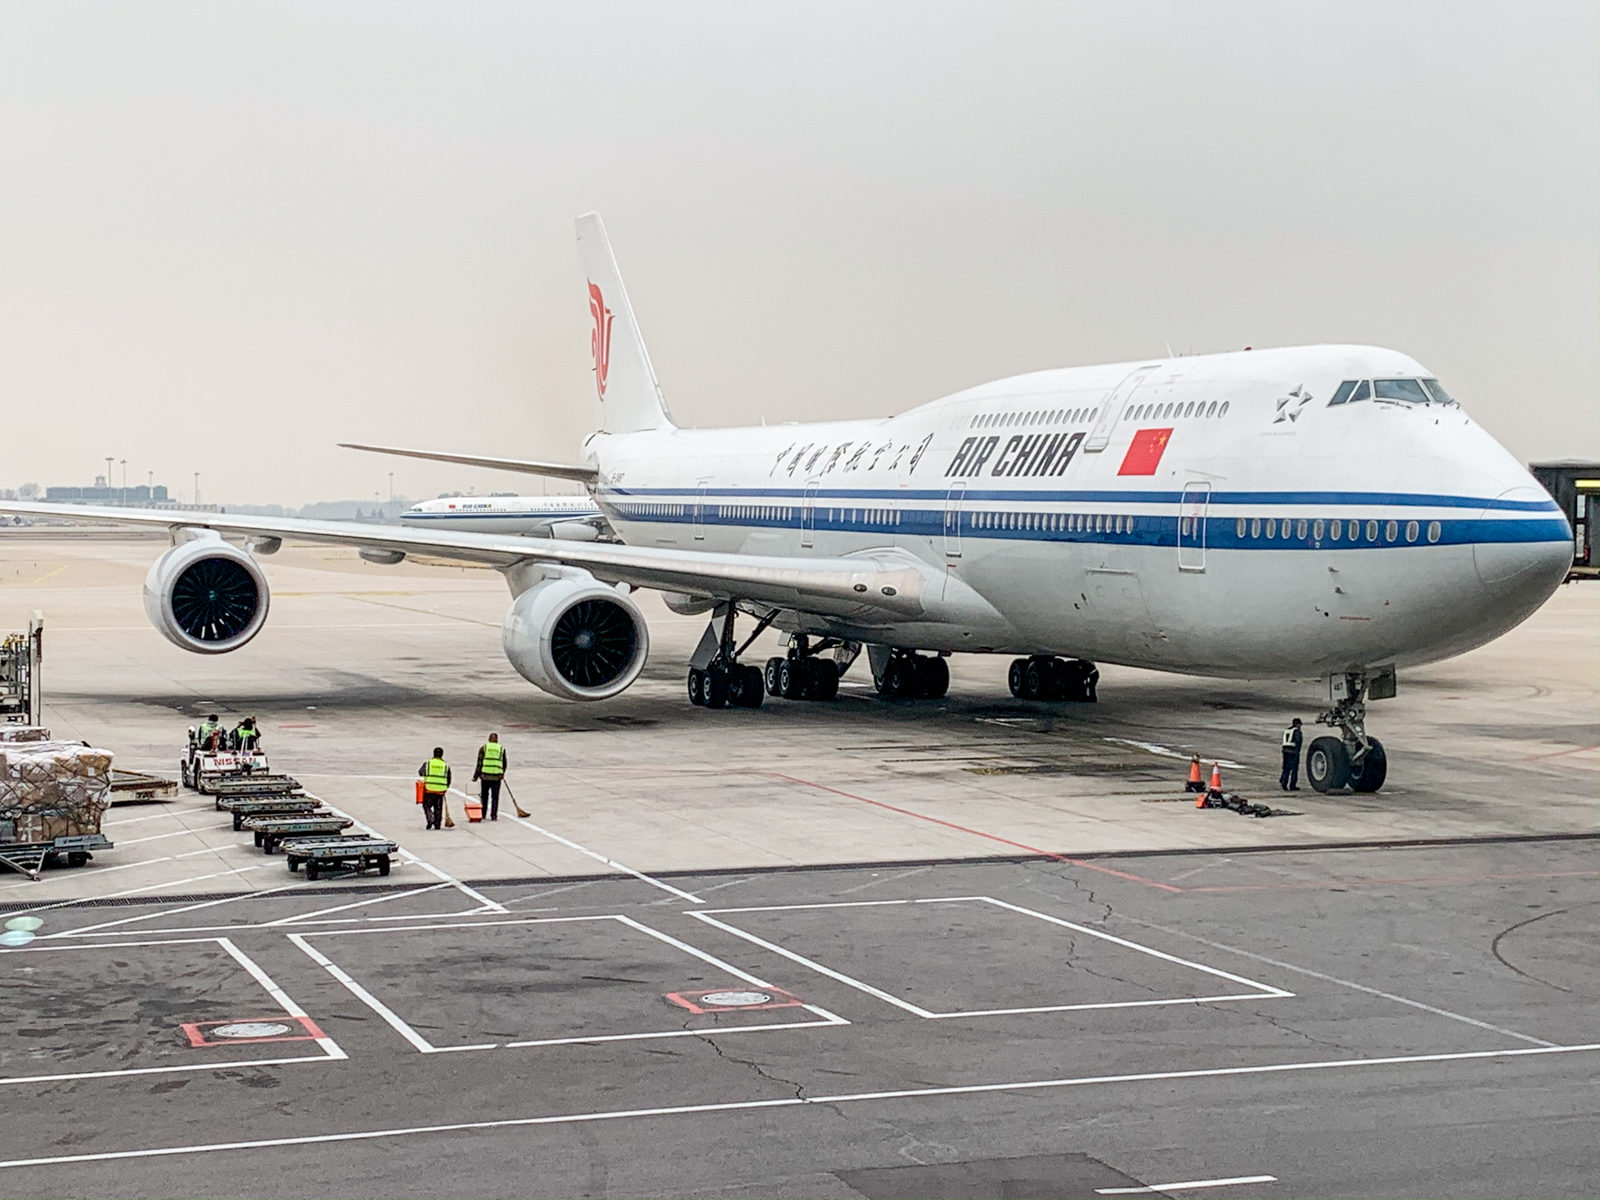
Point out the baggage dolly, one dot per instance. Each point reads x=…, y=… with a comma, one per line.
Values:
x=326, y=853
x=271, y=831
x=253, y=787
x=276, y=806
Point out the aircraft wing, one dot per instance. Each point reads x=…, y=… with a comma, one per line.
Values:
x=875, y=586
x=574, y=471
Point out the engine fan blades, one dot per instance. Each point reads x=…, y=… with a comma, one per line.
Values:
x=215, y=600
x=593, y=642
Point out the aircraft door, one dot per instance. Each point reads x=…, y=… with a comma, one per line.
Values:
x=1192, y=512
x=808, y=516
x=952, y=520
x=1111, y=410
x=700, y=513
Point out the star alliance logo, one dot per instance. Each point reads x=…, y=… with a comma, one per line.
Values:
x=1290, y=406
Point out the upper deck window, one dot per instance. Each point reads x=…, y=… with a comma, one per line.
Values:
x=1409, y=391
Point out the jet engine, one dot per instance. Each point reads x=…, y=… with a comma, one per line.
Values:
x=206, y=595
x=576, y=638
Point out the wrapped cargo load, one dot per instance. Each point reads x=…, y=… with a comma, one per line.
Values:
x=52, y=790
x=24, y=733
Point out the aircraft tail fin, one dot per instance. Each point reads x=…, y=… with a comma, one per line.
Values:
x=624, y=380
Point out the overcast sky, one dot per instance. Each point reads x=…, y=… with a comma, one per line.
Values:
x=232, y=234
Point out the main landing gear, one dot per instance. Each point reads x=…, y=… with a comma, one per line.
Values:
x=1352, y=759
x=1045, y=677
x=804, y=674
x=908, y=675
x=717, y=679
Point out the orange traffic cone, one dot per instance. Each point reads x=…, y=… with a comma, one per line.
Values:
x=1194, y=784
x=1215, y=790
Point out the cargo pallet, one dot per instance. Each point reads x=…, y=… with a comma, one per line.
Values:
x=135, y=787
x=321, y=854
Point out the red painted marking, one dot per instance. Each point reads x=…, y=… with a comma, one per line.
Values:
x=197, y=1035
x=1145, y=451
x=1345, y=883
x=691, y=1000
x=1077, y=862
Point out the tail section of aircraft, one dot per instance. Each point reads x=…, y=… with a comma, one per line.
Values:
x=625, y=382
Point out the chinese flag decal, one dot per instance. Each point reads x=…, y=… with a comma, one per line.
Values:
x=1144, y=455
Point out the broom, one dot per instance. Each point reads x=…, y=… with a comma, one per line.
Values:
x=444, y=802
x=521, y=812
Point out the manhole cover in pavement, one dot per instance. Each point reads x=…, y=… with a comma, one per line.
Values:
x=736, y=999
x=15, y=937
x=25, y=924
x=249, y=1029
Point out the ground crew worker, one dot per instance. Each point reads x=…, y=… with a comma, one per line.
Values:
x=491, y=769
x=1289, y=781
x=435, y=775
x=246, y=735
x=210, y=728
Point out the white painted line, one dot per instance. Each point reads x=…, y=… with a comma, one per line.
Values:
x=330, y=1049
x=66, y=933
x=409, y=857
x=402, y=1027
x=156, y=837
x=364, y=1135
x=1358, y=987
x=148, y=888
x=322, y=912
x=610, y=862
x=672, y=1033
x=1164, y=752
x=361, y=994
x=1187, y=1185
x=238, y=927
x=171, y=812
x=98, y=872
x=1261, y=991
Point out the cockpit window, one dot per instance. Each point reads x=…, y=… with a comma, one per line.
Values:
x=1410, y=391
x=1342, y=394
x=1439, y=394
x=1362, y=392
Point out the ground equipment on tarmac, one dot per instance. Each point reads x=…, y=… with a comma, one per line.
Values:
x=271, y=832
x=356, y=852
x=136, y=787
x=267, y=806
x=255, y=787
x=52, y=796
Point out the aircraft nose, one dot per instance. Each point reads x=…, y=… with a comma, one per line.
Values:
x=1523, y=573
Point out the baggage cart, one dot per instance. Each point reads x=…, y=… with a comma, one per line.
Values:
x=321, y=854
x=253, y=786
x=28, y=858
x=270, y=806
x=271, y=831
x=136, y=787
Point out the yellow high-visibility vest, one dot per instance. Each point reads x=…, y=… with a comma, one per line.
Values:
x=494, y=759
x=436, y=776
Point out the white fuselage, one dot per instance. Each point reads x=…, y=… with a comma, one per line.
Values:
x=1265, y=533
x=526, y=516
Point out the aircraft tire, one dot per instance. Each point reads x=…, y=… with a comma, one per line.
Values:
x=1016, y=676
x=715, y=689
x=896, y=679
x=752, y=688
x=933, y=674
x=821, y=676
x=697, y=683
x=1369, y=774
x=1036, y=680
x=786, y=680
x=771, y=676
x=1327, y=764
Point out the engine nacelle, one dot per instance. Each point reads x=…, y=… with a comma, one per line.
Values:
x=576, y=638
x=686, y=605
x=206, y=596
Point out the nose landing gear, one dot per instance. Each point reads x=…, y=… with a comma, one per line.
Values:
x=1353, y=759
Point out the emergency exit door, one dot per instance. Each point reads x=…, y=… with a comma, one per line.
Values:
x=1192, y=526
x=700, y=513
x=808, y=516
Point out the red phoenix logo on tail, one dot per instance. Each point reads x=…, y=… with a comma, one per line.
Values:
x=600, y=340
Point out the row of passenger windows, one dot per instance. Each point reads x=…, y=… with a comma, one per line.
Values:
x=756, y=512
x=1407, y=391
x=1056, y=416
x=864, y=516
x=1333, y=531
x=1054, y=522
x=1174, y=411
x=653, y=510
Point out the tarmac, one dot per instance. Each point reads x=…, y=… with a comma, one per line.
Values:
x=973, y=947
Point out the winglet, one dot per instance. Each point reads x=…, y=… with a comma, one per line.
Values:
x=630, y=397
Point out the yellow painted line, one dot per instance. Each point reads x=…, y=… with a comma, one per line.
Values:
x=48, y=574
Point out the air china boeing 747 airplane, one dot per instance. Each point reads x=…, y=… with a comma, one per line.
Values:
x=1320, y=511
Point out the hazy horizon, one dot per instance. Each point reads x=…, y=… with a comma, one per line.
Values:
x=234, y=235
